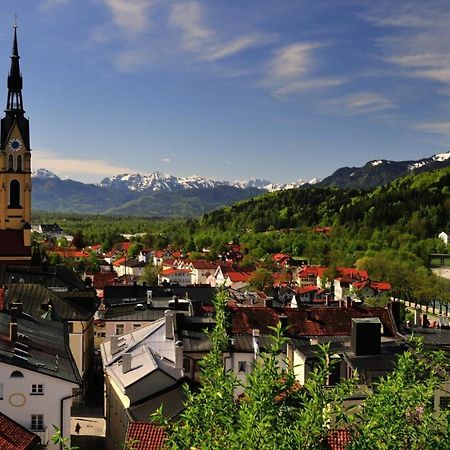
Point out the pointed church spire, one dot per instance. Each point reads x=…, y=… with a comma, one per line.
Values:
x=15, y=101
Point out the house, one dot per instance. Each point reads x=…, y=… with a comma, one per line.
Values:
x=368, y=288
x=49, y=230
x=309, y=275
x=174, y=275
x=14, y=436
x=74, y=308
x=304, y=294
x=138, y=367
x=38, y=375
x=237, y=280
x=343, y=284
x=128, y=266
x=201, y=270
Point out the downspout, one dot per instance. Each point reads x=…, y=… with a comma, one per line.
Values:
x=62, y=415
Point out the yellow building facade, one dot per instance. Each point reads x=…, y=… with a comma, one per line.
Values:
x=15, y=172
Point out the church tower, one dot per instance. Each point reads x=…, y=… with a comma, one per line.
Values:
x=15, y=171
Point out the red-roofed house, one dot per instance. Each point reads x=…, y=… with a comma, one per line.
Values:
x=369, y=288
x=201, y=270
x=304, y=294
x=343, y=285
x=236, y=280
x=15, y=437
x=145, y=436
x=175, y=275
x=309, y=275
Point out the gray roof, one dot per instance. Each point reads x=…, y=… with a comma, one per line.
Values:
x=171, y=399
x=35, y=297
x=130, y=313
x=42, y=346
x=434, y=338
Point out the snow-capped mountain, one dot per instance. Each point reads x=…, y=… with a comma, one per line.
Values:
x=43, y=174
x=158, y=181
x=381, y=171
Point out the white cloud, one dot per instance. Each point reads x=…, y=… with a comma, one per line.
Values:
x=166, y=160
x=292, y=61
x=238, y=45
x=132, y=16
x=434, y=127
x=77, y=168
x=48, y=4
x=188, y=17
x=291, y=71
x=360, y=103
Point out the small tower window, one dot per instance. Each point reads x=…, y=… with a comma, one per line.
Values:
x=14, y=194
x=11, y=162
x=19, y=163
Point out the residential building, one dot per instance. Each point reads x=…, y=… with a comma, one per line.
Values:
x=38, y=375
x=14, y=436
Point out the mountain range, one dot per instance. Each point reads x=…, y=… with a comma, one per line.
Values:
x=164, y=195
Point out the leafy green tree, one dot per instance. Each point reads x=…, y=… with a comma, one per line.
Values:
x=150, y=274
x=261, y=279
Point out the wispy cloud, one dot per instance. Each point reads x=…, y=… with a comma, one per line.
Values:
x=434, y=127
x=417, y=36
x=166, y=160
x=291, y=71
x=48, y=4
x=360, y=103
x=220, y=51
x=188, y=17
x=132, y=16
x=76, y=167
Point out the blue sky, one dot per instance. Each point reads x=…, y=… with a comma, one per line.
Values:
x=236, y=89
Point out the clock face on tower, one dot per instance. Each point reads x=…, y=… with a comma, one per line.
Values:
x=15, y=145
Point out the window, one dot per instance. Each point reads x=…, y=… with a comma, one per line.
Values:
x=14, y=194
x=119, y=329
x=11, y=163
x=444, y=402
x=19, y=164
x=187, y=365
x=136, y=326
x=37, y=389
x=17, y=374
x=37, y=422
x=242, y=366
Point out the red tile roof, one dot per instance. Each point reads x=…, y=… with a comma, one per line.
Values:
x=202, y=264
x=236, y=277
x=278, y=257
x=71, y=253
x=102, y=279
x=312, y=271
x=14, y=436
x=306, y=289
x=338, y=439
x=147, y=436
x=173, y=270
x=307, y=321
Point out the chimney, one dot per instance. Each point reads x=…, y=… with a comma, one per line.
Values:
x=268, y=302
x=396, y=312
x=114, y=345
x=16, y=308
x=149, y=299
x=169, y=324
x=13, y=330
x=255, y=342
x=348, y=302
x=178, y=355
x=327, y=299
x=417, y=317
x=126, y=362
x=366, y=336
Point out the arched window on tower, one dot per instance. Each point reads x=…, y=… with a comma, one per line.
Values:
x=14, y=194
x=11, y=163
x=19, y=163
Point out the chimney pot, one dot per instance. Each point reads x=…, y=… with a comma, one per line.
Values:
x=126, y=362
x=178, y=355
x=114, y=343
x=169, y=324
x=13, y=331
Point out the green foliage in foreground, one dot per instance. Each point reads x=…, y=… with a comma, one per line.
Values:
x=276, y=413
